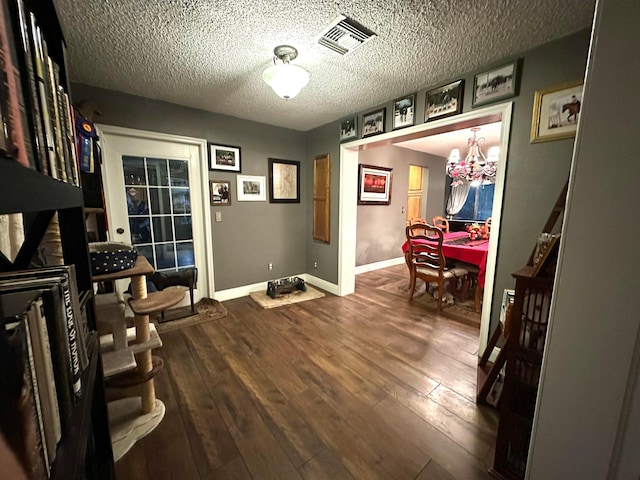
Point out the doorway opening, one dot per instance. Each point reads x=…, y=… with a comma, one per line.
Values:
x=349, y=154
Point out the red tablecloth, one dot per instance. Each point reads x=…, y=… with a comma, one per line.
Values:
x=474, y=252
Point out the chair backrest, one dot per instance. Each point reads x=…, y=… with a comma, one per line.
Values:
x=421, y=253
x=442, y=223
x=415, y=220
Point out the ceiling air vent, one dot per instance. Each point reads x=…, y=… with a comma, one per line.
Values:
x=344, y=35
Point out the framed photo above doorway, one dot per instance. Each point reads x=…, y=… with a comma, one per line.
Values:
x=373, y=122
x=444, y=101
x=496, y=84
x=404, y=110
x=349, y=129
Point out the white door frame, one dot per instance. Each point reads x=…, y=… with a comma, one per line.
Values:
x=348, y=205
x=201, y=144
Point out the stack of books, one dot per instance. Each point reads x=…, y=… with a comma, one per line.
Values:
x=45, y=325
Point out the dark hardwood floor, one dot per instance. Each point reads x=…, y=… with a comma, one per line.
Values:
x=366, y=386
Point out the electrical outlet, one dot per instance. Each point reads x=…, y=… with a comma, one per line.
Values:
x=315, y=264
x=270, y=266
x=218, y=216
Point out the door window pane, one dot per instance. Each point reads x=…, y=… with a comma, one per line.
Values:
x=146, y=251
x=162, y=231
x=137, y=201
x=133, y=170
x=140, y=229
x=157, y=171
x=185, y=254
x=165, y=256
x=181, y=201
x=160, y=201
x=183, y=228
x=179, y=173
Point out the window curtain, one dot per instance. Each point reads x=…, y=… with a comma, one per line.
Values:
x=457, y=197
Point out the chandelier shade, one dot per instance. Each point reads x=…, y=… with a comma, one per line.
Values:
x=476, y=169
x=285, y=79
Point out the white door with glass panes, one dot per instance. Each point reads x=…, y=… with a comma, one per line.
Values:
x=154, y=197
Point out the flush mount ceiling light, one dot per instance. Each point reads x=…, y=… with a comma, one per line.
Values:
x=284, y=78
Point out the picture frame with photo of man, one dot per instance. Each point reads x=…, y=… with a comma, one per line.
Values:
x=349, y=129
x=404, y=110
x=556, y=111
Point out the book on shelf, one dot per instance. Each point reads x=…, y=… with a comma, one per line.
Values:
x=26, y=42
x=15, y=131
x=43, y=363
x=65, y=303
x=38, y=62
x=22, y=419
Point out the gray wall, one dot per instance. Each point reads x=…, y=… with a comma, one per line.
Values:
x=535, y=172
x=251, y=234
x=591, y=358
x=380, y=231
x=322, y=141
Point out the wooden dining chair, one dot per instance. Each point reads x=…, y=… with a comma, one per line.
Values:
x=417, y=220
x=441, y=222
x=426, y=260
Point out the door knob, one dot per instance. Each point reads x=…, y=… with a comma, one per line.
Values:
x=120, y=230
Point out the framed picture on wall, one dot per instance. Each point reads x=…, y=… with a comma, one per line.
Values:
x=374, y=185
x=496, y=84
x=220, y=191
x=284, y=181
x=556, y=111
x=444, y=101
x=349, y=129
x=224, y=157
x=404, y=111
x=251, y=188
x=373, y=123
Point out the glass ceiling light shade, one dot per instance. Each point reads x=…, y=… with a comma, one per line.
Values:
x=284, y=78
x=475, y=168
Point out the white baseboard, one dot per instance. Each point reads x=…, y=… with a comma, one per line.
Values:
x=320, y=283
x=370, y=267
x=245, y=290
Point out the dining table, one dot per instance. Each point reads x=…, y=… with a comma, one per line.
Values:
x=458, y=246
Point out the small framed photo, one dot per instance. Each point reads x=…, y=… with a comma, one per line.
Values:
x=220, y=191
x=349, y=129
x=404, y=111
x=251, y=188
x=545, y=254
x=496, y=84
x=555, y=112
x=284, y=181
x=224, y=157
x=374, y=185
x=444, y=101
x=373, y=123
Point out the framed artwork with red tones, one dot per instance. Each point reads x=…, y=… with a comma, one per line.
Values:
x=374, y=185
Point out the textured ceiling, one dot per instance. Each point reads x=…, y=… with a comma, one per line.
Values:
x=211, y=54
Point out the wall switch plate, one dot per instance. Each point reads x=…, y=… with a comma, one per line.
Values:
x=218, y=216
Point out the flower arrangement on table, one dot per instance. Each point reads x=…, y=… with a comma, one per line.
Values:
x=477, y=231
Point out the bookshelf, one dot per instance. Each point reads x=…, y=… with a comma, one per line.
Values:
x=84, y=450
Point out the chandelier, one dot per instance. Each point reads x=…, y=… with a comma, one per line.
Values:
x=284, y=78
x=476, y=169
